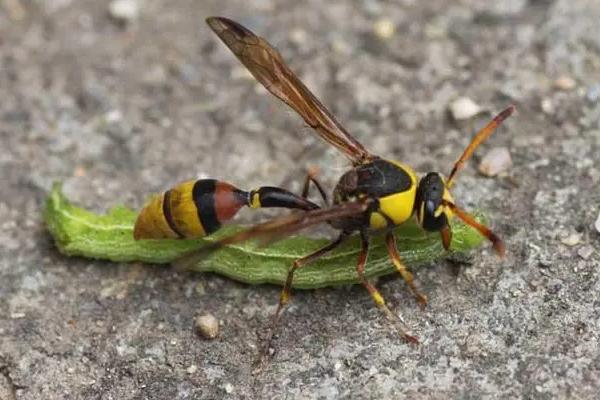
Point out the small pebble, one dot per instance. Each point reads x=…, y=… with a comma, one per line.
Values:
x=299, y=36
x=495, y=162
x=571, y=240
x=384, y=28
x=597, y=224
x=113, y=117
x=208, y=326
x=192, y=369
x=464, y=108
x=124, y=10
x=585, y=252
x=547, y=106
x=228, y=388
x=565, y=83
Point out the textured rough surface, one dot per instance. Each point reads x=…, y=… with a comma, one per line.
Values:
x=120, y=111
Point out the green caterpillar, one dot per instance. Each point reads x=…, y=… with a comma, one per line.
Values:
x=78, y=232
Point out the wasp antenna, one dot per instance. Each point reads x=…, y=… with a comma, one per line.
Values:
x=482, y=135
x=468, y=219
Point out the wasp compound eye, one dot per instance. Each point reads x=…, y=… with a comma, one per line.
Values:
x=430, y=207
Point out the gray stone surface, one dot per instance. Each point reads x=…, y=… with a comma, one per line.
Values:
x=120, y=111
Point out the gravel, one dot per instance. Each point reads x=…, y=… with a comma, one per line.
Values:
x=464, y=108
x=124, y=10
x=208, y=326
x=495, y=162
x=118, y=114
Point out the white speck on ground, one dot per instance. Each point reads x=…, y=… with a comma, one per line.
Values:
x=124, y=10
x=496, y=161
x=522, y=327
x=464, y=108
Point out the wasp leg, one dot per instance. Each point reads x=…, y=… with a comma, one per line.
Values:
x=311, y=176
x=390, y=242
x=375, y=294
x=284, y=297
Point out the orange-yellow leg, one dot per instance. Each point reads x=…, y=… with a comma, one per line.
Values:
x=284, y=297
x=375, y=294
x=390, y=242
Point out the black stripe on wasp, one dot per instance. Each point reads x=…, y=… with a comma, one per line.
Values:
x=374, y=195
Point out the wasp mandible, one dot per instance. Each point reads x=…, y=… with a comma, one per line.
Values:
x=374, y=195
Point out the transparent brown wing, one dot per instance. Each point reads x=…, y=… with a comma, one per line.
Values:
x=276, y=229
x=267, y=66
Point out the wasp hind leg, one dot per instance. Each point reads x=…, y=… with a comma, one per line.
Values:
x=284, y=297
x=311, y=176
x=390, y=243
x=375, y=294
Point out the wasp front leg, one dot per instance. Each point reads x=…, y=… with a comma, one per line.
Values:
x=375, y=294
x=390, y=242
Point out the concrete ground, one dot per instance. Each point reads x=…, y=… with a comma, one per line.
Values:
x=119, y=109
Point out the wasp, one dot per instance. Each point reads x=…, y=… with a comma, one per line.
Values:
x=372, y=197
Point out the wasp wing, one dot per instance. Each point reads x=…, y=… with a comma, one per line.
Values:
x=276, y=229
x=267, y=66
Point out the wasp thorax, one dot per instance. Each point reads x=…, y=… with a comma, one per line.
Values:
x=429, y=204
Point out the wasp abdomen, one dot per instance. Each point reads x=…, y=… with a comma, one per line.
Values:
x=198, y=208
x=191, y=209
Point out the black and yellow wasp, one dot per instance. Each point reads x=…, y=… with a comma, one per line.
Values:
x=374, y=195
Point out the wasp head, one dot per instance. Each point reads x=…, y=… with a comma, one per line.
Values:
x=434, y=205
x=435, y=208
x=432, y=213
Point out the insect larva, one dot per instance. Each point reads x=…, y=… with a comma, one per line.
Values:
x=78, y=232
